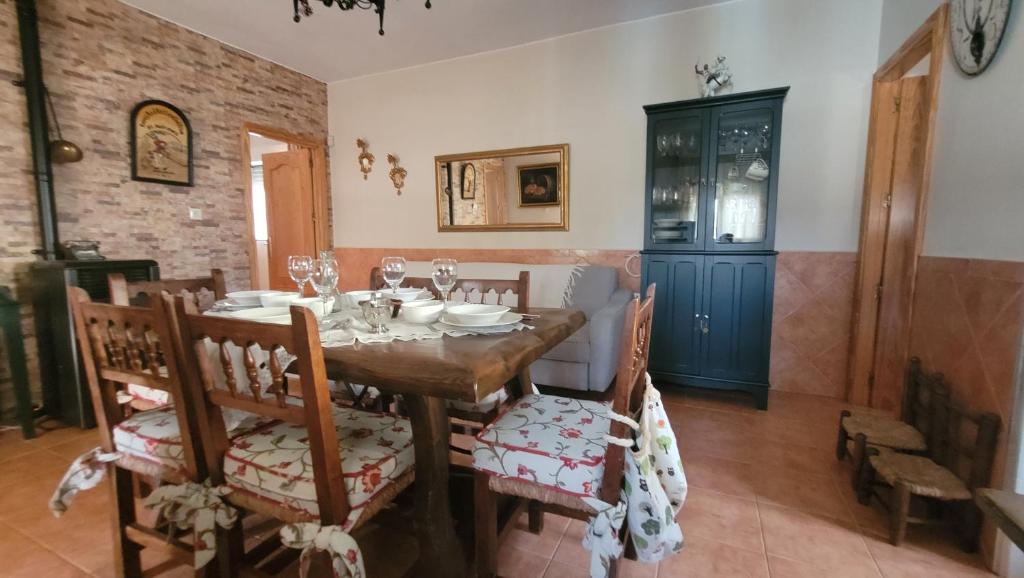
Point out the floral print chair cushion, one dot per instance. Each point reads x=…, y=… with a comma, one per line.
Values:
x=153, y=436
x=554, y=441
x=157, y=397
x=274, y=463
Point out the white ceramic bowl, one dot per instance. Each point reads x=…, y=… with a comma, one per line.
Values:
x=476, y=313
x=405, y=294
x=316, y=304
x=278, y=299
x=248, y=297
x=425, y=311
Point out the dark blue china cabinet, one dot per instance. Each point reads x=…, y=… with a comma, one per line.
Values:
x=709, y=238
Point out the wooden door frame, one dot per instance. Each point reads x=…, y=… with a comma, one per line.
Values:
x=321, y=189
x=929, y=39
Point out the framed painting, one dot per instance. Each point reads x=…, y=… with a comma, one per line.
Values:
x=538, y=185
x=468, y=181
x=161, y=144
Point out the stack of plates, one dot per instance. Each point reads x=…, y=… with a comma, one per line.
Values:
x=479, y=315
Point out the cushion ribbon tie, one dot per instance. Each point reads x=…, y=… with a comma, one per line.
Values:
x=346, y=558
x=626, y=443
x=86, y=472
x=197, y=506
x=603, y=535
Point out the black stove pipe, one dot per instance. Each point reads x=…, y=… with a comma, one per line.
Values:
x=39, y=131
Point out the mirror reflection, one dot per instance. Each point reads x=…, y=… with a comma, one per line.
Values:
x=511, y=189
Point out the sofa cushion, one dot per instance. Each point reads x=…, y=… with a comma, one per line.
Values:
x=575, y=349
x=593, y=288
x=274, y=463
x=153, y=436
x=554, y=441
x=565, y=374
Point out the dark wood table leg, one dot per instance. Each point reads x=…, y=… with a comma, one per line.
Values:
x=441, y=552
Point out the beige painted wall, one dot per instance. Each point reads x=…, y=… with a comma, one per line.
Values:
x=587, y=89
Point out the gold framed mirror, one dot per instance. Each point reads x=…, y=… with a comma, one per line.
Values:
x=520, y=189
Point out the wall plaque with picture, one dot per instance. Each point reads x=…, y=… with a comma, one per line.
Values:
x=538, y=185
x=161, y=144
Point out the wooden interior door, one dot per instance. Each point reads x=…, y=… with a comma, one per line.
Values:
x=288, y=182
x=897, y=174
x=899, y=261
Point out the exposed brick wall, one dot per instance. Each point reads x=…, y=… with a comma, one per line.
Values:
x=101, y=57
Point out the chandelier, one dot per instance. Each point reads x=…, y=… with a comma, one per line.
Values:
x=302, y=8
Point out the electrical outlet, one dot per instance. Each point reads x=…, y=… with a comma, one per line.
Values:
x=195, y=214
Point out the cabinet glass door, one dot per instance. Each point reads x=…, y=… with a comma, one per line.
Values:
x=741, y=175
x=674, y=188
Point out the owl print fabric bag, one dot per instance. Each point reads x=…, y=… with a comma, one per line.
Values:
x=655, y=484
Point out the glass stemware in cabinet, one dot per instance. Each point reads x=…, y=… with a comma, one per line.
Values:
x=742, y=163
x=324, y=279
x=676, y=171
x=300, y=267
x=444, y=272
x=393, y=269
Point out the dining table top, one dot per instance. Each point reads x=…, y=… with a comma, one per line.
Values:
x=466, y=368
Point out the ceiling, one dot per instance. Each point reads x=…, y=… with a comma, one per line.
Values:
x=334, y=45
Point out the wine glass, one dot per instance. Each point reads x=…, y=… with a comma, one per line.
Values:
x=444, y=273
x=300, y=267
x=324, y=279
x=393, y=269
x=328, y=256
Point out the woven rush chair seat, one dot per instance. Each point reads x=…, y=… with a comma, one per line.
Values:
x=885, y=431
x=274, y=462
x=554, y=443
x=920, y=474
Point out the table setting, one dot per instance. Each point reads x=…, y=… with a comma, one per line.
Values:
x=369, y=316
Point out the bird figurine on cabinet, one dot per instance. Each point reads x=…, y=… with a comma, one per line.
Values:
x=713, y=78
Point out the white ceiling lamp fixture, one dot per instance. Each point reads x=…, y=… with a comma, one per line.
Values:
x=302, y=8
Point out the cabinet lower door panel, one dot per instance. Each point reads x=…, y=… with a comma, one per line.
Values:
x=737, y=301
x=675, y=343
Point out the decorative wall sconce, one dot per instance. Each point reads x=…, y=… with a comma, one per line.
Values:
x=396, y=173
x=365, y=158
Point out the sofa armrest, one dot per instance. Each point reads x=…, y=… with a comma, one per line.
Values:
x=606, y=337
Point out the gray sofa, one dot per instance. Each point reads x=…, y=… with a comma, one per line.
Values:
x=587, y=360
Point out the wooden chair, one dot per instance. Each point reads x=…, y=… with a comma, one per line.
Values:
x=318, y=462
x=200, y=293
x=472, y=290
x=962, y=448
x=120, y=345
x=469, y=418
x=923, y=395
x=123, y=292
x=552, y=450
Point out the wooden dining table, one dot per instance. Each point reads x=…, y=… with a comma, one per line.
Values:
x=428, y=372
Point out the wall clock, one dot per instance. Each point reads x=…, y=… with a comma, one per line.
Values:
x=976, y=28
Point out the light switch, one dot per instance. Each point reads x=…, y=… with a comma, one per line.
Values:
x=195, y=214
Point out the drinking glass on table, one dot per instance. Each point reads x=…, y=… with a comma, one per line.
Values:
x=324, y=280
x=300, y=267
x=445, y=272
x=328, y=256
x=393, y=269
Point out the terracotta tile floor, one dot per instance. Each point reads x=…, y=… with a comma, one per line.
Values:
x=767, y=498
